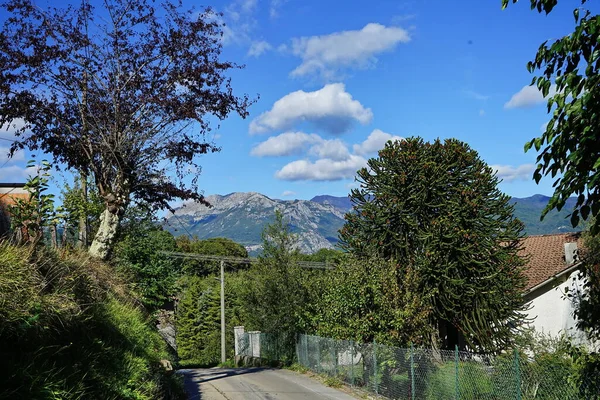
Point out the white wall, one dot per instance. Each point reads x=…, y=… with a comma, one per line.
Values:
x=553, y=311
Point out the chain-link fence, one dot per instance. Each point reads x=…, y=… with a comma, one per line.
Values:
x=414, y=373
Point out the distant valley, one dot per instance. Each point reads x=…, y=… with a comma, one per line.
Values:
x=242, y=216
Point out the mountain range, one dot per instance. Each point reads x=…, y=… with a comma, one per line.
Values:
x=242, y=216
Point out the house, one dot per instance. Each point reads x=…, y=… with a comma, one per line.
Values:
x=553, y=267
x=9, y=192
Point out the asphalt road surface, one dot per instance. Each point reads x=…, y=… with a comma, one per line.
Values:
x=254, y=384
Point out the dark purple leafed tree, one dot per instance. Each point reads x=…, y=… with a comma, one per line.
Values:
x=123, y=93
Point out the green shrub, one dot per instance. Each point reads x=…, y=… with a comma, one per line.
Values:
x=474, y=382
x=70, y=331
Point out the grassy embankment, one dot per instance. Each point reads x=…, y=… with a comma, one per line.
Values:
x=69, y=329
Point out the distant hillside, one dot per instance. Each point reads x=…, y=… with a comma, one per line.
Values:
x=529, y=210
x=242, y=216
x=343, y=203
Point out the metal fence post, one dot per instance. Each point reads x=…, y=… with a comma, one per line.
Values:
x=456, y=396
x=351, y=363
x=318, y=354
x=518, y=374
x=332, y=346
x=375, y=365
x=412, y=372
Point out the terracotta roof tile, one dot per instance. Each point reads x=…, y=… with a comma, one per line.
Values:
x=547, y=255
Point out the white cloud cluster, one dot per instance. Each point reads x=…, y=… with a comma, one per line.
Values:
x=16, y=173
x=288, y=193
x=258, y=48
x=508, y=173
x=321, y=170
x=330, y=108
x=528, y=96
x=238, y=21
x=8, y=131
x=285, y=144
x=328, y=53
x=332, y=158
x=375, y=142
x=294, y=143
x=4, y=155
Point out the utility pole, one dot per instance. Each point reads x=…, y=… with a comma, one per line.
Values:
x=223, y=356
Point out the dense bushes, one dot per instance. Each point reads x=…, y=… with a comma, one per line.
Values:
x=69, y=330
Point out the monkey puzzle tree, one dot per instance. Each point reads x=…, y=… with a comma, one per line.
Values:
x=124, y=94
x=435, y=209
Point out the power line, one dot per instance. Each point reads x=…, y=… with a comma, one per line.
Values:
x=242, y=260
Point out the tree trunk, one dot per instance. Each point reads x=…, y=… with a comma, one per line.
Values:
x=82, y=239
x=54, y=236
x=107, y=232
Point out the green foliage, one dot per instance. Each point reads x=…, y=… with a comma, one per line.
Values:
x=570, y=80
x=587, y=313
x=330, y=256
x=70, y=331
x=198, y=311
x=74, y=207
x=435, y=208
x=213, y=247
x=367, y=300
x=30, y=217
x=199, y=319
x=474, y=382
x=138, y=256
x=279, y=294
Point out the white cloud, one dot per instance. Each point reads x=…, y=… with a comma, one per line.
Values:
x=258, y=48
x=481, y=112
x=375, y=142
x=508, y=173
x=321, y=170
x=288, y=193
x=240, y=21
x=293, y=143
x=4, y=158
x=328, y=53
x=285, y=144
x=274, y=7
x=8, y=131
x=528, y=96
x=333, y=149
x=331, y=109
x=15, y=173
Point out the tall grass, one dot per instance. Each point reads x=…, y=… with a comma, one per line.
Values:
x=69, y=330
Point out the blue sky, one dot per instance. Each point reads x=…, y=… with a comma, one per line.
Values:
x=337, y=79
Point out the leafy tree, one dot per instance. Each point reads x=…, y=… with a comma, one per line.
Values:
x=77, y=206
x=569, y=75
x=435, y=209
x=124, y=95
x=374, y=300
x=213, y=247
x=138, y=254
x=30, y=217
x=277, y=298
x=199, y=318
x=568, y=147
x=323, y=255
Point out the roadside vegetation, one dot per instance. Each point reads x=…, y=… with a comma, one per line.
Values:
x=71, y=330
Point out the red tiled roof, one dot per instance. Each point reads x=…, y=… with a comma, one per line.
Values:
x=547, y=255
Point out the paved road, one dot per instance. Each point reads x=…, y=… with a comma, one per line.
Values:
x=255, y=384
